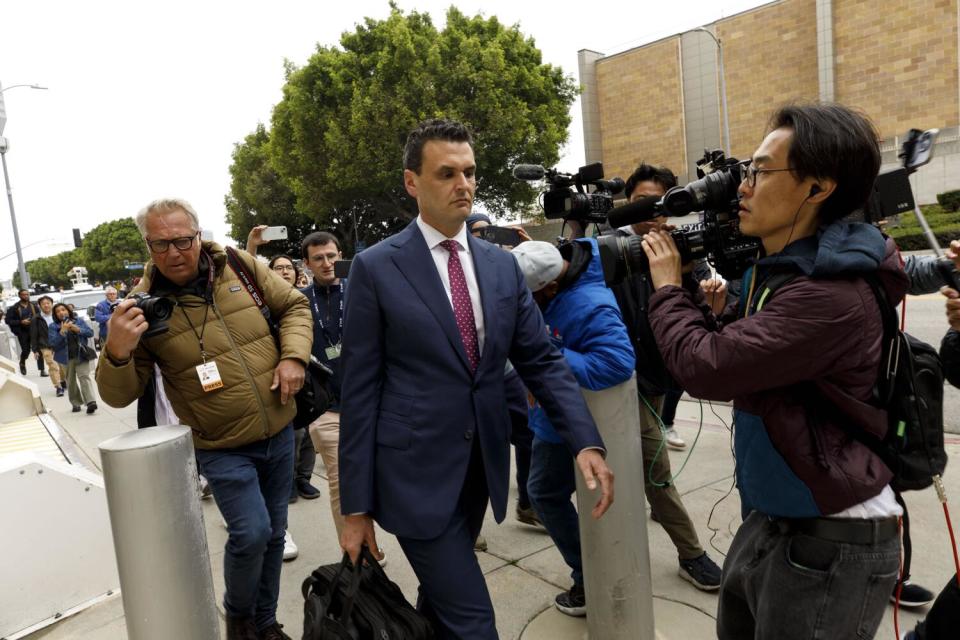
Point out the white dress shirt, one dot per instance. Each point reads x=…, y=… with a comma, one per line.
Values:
x=440, y=259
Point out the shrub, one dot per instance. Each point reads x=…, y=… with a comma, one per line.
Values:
x=949, y=200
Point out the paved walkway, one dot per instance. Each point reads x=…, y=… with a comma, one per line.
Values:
x=523, y=568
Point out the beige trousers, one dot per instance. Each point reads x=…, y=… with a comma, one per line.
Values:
x=325, y=434
x=57, y=371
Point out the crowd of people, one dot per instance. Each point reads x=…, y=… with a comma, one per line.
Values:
x=441, y=350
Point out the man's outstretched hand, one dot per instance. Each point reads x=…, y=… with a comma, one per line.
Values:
x=594, y=468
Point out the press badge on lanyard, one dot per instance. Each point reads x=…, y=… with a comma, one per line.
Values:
x=209, y=376
x=332, y=352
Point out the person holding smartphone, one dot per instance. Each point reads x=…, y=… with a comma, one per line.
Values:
x=67, y=334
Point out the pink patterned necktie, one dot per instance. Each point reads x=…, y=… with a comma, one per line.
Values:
x=462, y=307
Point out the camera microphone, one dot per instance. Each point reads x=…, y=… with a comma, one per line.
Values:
x=529, y=172
x=645, y=208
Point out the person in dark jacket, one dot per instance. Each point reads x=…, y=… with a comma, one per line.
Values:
x=20, y=316
x=66, y=335
x=320, y=251
x=818, y=551
x=659, y=393
x=40, y=343
x=584, y=323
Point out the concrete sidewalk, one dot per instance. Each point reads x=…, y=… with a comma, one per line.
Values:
x=523, y=568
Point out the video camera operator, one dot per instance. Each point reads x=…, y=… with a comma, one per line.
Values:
x=657, y=389
x=818, y=551
x=228, y=379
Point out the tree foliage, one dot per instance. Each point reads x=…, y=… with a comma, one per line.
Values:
x=338, y=133
x=53, y=270
x=109, y=246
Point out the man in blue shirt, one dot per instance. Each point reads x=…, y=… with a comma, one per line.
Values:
x=584, y=322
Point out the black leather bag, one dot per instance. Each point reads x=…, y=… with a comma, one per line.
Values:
x=363, y=604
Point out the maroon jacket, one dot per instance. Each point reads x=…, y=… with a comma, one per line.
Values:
x=808, y=358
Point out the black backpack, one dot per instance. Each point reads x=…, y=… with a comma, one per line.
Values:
x=909, y=387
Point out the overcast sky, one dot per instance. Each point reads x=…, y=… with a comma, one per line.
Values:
x=147, y=99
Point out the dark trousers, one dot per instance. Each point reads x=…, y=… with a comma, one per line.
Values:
x=788, y=585
x=24, y=339
x=453, y=592
x=305, y=457
x=670, y=401
x=521, y=437
x=251, y=485
x=552, y=483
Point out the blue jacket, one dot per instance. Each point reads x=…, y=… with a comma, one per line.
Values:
x=61, y=343
x=102, y=316
x=584, y=322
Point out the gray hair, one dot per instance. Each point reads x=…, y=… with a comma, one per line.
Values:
x=110, y=290
x=166, y=205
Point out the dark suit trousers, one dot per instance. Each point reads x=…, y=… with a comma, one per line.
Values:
x=453, y=591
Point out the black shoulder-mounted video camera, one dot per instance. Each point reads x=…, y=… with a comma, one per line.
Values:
x=567, y=195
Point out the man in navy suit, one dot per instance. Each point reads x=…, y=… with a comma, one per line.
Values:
x=431, y=316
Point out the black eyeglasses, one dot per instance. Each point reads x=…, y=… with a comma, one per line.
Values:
x=750, y=173
x=162, y=246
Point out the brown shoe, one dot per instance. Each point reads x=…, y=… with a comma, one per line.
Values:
x=274, y=632
x=241, y=629
x=530, y=517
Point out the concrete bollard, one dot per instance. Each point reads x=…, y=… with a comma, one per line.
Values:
x=616, y=556
x=158, y=534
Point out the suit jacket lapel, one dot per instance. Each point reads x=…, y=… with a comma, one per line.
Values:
x=416, y=263
x=483, y=262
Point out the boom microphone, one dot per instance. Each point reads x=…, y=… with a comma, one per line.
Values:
x=644, y=209
x=529, y=172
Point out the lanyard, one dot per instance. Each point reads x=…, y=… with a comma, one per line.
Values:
x=206, y=310
x=316, y=311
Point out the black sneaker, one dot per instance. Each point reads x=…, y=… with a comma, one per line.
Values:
x=241, y=629
x=23, y=369
x=912, y=595
x=91, y=407
x=573, y=602
x=307, y=491
x=59, y=392
x=44, y=374
x=274, y=632
x=76, y=408
x=702, y=572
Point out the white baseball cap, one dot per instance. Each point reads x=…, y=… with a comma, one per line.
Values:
x=540, y=262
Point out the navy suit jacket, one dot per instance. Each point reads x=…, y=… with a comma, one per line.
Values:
x=411, y=408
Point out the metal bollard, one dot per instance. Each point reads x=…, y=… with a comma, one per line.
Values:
x=616, y=556
x=158, y=535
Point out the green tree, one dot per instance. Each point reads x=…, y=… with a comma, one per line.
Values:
x=258, y=196
x=337, y=135
x=53, y=270
x=109, y=246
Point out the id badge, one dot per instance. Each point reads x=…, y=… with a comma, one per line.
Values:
x=333, y=352
x=209, y=376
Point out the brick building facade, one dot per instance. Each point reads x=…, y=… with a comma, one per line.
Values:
x=662, y=102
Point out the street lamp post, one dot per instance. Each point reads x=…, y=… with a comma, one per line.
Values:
x=723, y=88
x=4, y=146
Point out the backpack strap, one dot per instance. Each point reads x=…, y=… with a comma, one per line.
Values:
x=767, y=289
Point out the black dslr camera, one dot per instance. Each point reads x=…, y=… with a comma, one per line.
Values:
x=567, y=196
x=156, y=310
x=717, y=238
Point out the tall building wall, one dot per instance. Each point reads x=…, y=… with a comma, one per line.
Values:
x=898, y=62
x=770, y=57
x=641, y=108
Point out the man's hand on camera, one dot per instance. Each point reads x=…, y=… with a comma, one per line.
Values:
x=954, y=253
x=288, y=377
x=524, y=236
x=358, y=531
x=125, y=327
x=953, y=307
x=594, y=468
x=664, y=259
